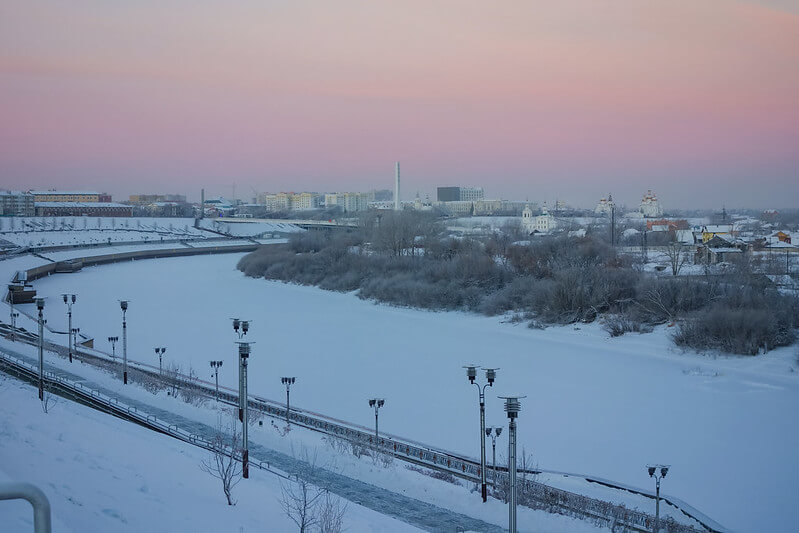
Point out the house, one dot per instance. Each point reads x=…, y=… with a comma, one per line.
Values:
x=782, y=237
x=714, y=230
x=717, y=250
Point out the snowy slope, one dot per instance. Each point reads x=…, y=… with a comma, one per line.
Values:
x=594, y=405
x=102, y=474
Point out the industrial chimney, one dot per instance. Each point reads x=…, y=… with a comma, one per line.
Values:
x=397, y=205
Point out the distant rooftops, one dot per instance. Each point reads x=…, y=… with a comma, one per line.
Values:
x=83, y=193
x=80, y=204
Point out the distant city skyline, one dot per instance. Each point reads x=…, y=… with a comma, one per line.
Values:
x=570, y=100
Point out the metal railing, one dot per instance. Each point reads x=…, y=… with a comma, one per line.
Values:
x=37, y=498
x=538, y=494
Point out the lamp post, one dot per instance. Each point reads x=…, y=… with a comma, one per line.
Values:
x=160, y=353
x=244, y=354
x=658, y=472
x=512, y=408
x=288, y=382
x=69, y=299
x=241, y=327
x=113, y=341
x=40, y=307
x=216, y=365
x=377, y=403
x=74, y=334
x=494, y=433
x=124, y=305
x=491, y=375
x=14, y=314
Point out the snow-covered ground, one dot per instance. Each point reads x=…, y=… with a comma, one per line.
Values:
x=594, y=405
x=102, y=474
x=75, y=231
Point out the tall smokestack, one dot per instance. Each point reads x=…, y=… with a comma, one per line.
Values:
x=397, y=206
x=202, y=203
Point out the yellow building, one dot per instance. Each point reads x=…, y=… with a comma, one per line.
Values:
x=725, y=231
x=66, y=196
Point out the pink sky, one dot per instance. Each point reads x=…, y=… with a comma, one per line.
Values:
x=698, y=100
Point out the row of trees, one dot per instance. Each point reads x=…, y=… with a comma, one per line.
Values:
x=407, y=259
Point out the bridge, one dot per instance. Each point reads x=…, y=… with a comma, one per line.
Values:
x=302, y=223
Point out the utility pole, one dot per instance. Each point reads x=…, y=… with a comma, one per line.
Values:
x=40, y=307
x=14, y=314
x=124, y=305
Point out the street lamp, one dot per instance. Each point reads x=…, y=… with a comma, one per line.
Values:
x=244, y=354
x=216, y=365
x=491, y=375
x=160, y=353
x=40, y=307
x=377, y=403
x=512, y=408
x=14, y=314
x=288, y=382
x=494, y=433
x=74, y=334
x=240, y=327
x=124, y=305
x=69, y=299
x=658, y=472
x=113, y=341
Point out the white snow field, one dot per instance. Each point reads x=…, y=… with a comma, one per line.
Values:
x=595, y=405
x=77, y=231
x=102, y=474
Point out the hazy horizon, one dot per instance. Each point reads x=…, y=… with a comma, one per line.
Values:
x=573, y=100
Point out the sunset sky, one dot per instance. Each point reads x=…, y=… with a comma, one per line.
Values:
x=571, y=99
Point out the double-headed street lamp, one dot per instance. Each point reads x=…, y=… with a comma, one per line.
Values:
x=512, y=408
x=377, y=403
x=288, y=382
x=160, y=351
x=74, y=334
x=491, y=375
x=14, y=314
x=241, y=327
x=658, y=472
x=124, y=305
x=69, y=299
x=494, y=433
x=216, y=365
x=113, y=341
x=40, y=307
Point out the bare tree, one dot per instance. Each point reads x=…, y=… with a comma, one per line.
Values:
x=331, y=514
x=49, y=400
x=223, y=463
x=299, y=498
x=677, y=256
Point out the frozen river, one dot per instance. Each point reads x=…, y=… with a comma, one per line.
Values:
x=595, y=405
